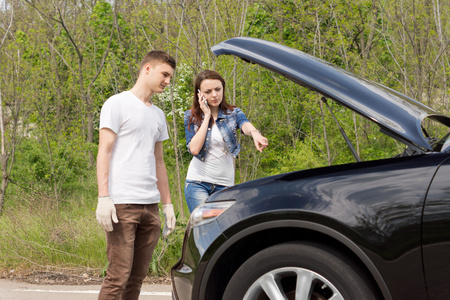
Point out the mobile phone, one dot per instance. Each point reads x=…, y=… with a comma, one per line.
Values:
x=206, y=102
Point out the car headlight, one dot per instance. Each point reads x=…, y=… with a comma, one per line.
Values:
x=208, y=212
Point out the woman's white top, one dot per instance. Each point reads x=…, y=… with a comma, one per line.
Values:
x=218, y=167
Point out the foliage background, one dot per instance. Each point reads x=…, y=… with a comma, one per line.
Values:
x=60, y=60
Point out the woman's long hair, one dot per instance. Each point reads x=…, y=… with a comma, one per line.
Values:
x=196, y=111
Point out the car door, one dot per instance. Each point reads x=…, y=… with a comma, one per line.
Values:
x=436, y=235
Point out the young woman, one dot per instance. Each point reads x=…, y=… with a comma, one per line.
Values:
x=210, y=127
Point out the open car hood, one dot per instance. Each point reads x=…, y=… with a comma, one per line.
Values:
x=396, y=114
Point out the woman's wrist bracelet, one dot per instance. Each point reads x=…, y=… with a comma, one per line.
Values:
x=251, y=131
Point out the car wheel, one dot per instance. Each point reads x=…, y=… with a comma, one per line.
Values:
x=301, y=272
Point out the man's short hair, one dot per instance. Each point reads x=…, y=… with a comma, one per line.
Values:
x=157, y=56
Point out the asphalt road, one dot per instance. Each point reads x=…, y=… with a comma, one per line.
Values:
x=13, y=290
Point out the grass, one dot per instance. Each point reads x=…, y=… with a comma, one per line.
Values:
x=38, y=234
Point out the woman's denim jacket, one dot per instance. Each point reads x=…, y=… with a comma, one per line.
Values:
x=227, y=124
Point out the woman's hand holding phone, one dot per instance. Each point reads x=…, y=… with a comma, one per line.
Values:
x=202, y=98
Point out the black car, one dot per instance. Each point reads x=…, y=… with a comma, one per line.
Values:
x=375, y=229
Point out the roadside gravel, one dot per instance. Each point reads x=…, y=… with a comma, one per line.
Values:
x=66, y=277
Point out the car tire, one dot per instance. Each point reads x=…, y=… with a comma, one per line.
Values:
x=303, y=271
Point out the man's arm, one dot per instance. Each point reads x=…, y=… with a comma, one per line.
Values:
x=105, y=146
x=161, y=174
x=163, y=187
x=105, y=208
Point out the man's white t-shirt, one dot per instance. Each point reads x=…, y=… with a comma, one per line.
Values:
x=132, y=172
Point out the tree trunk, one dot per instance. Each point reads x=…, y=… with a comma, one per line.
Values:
x=325, y=134
x=4, y=158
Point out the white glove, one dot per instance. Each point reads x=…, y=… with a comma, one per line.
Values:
x=170, y=219
x=106, y=211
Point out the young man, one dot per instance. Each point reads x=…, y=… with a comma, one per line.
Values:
x=132, y=178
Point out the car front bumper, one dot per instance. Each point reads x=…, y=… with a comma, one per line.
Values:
x=188, y=274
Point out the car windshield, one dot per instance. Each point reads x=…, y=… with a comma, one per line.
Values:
x=443, y=145
x=438, y=134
